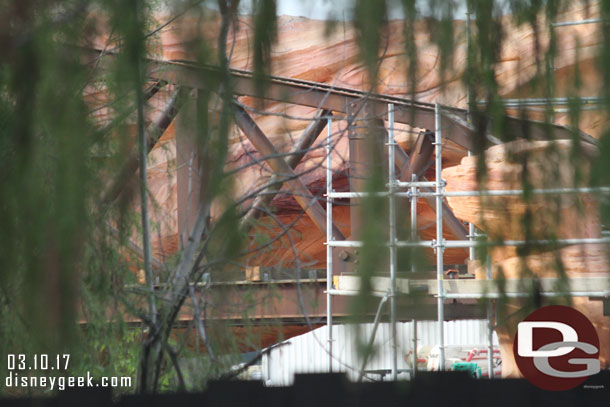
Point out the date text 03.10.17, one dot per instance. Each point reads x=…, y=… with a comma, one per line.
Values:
x=38, y=362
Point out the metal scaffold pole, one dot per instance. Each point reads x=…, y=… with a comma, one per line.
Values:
x=471, y=234
x=471, y=230
x=588, y=21
x=392, y=218
x=329, y=249
x=413, y=265
x=414, y=193
x=439, y=235
x=490, y=344
x=455, y=244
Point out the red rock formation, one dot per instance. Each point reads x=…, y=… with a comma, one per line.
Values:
x=549, y=165
x=304, y=52
x=567, y=216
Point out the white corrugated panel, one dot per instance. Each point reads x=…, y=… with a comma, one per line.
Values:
x=308, y=353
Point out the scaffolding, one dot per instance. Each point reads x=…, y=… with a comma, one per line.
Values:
x=439, y=244
x=330, y=98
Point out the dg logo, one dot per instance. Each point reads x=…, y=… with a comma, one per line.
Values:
x=556, y=348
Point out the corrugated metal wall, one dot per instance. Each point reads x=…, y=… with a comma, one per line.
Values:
x=308, y=353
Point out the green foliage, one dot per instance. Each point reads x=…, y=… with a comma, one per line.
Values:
x=46, y=180
x=410, y=11
x=265, y=34
x=61, y=265
x=440, y=27
x=369, y=19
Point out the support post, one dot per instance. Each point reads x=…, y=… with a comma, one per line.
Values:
x=471, y=232
x=392, y=218
x=551, y=67
x=358, y=169
x=413, y=266
x=490, y=331
x=188, y=177
x=366, y=136
x=146, y=245
x=414, y=236
x=414, y=354
x=439, y=236
x=329, y=249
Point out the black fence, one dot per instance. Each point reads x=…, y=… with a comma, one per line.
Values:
x=321, y=390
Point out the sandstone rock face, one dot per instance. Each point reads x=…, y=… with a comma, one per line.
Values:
x=549, y=165
x=303, y=51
